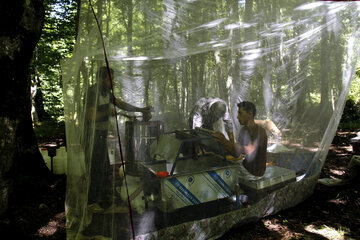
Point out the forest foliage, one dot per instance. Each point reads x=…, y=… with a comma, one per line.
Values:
x=56, y=43
x=58, y=40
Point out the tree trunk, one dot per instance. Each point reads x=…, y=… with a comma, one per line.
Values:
x=185, y=87
x=176, y=92
x=241, y=83
x=201, y=74
x=147, y=78
x=129, y=37
x=219, y=73
x=194, y=81
x=324, y=76
x=20, y=158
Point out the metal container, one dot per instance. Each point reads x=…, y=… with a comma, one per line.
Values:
x=274, y=178
x=140, y=137
x=194, y=182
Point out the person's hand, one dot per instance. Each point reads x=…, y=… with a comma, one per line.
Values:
x=147, y=109
x=235, y=159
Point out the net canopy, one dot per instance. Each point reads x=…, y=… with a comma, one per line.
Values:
x=142, y=158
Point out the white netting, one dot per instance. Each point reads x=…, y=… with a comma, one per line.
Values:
x=293, y=60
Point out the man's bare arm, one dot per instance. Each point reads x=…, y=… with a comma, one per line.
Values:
x=131, y=108
x=230, y=146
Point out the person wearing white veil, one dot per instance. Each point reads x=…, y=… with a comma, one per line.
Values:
x=212, y=114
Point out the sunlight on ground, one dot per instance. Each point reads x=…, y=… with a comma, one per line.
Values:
x=327, y=232
x=287, y=233
x=337, y=172
x=338, y=201
x=283, y=230
x=348, y=148
x=52, y=226
x=48, y=230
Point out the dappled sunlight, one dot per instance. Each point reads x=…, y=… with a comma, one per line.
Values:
x=350, y=199
x=56, y=224
x=338, y=201
x=342, y=149
x=287, y=230
x=282, y=229
x=327, y=232
x=48, y=230
x=337, y=172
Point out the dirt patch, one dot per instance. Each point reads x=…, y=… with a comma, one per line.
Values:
x=330, y=213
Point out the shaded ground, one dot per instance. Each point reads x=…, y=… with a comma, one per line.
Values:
x=330, y=213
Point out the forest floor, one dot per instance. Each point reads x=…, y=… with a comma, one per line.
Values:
x=329, y=213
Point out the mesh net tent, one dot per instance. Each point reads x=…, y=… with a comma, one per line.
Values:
x=132, y=174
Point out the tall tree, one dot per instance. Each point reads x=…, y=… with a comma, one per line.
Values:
x=21, y=23
x=324, y=73
x=56, y=43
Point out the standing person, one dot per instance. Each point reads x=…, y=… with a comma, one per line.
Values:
x=251, y=142
x=213, y=114
x=99, y=109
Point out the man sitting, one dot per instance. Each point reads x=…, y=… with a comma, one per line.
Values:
x=251, y=142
